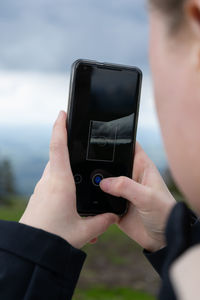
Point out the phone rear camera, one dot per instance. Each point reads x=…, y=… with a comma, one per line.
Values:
x=97, y=179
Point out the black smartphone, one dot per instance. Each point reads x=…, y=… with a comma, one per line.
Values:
x=102, y=122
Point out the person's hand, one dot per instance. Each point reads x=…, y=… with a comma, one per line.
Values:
x=52, y=207
x=150, y=202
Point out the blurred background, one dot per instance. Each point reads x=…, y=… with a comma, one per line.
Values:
x=39, y=40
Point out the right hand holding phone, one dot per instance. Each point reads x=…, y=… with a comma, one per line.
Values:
x=150, y=202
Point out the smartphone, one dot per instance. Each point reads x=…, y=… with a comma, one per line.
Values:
x=102, y=122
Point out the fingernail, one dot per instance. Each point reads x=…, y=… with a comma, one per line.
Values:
x=106, y=183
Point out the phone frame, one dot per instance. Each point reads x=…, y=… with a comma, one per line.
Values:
x=70, y=108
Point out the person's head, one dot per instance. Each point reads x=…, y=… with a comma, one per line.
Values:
x=175, y=64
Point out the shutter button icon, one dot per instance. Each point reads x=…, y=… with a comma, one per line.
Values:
x=96, y=179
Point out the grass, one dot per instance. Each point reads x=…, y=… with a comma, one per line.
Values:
x=101, y=293
x=14, y=209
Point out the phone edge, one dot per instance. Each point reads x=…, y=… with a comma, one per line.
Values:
x=70, y=109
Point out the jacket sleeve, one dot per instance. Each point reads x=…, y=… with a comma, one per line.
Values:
x=157, y=259
x=36, y=265
x=182, y=232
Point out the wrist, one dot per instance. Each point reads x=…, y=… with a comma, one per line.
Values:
x=71, y=239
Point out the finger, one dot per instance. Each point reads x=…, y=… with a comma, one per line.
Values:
x=59, y=156
x=97, y=225
x=141, y=162
x=127, y=188
x=93, y=241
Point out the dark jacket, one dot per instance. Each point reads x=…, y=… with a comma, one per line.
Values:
x=182, y=232
x=37, y=265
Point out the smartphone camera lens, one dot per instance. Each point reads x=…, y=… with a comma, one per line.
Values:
x=77, y=178
x=97, y=179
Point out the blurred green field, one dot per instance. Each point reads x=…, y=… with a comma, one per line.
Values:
x=114, y=269
x=112, y=294
x=13, y=208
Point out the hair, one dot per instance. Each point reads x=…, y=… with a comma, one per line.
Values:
x=172, y=9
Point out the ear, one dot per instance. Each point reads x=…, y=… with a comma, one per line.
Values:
x=192, y=9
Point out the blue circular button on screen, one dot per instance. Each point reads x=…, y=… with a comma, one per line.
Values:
x=97, y=179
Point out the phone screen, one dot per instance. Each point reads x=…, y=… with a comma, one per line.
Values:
x=102, y=129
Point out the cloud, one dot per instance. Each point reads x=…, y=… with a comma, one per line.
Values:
x=32, y=98
x=48, y=35
x=36, y=98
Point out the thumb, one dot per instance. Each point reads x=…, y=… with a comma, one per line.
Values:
x=97, y=225
x=59, y=155
x=127, y=188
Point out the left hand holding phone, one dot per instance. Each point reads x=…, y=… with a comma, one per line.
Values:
x=52, y=207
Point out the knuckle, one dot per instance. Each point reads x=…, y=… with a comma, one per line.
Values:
x=150, y=193
x=106, y=221
x=121, y=183
x=55, y=125
x=54, y=146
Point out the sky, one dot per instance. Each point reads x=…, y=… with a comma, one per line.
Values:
x=40, y=39
x=47, y=35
